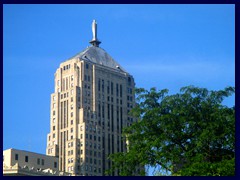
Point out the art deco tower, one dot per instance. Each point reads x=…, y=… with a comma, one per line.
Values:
x=89, y=108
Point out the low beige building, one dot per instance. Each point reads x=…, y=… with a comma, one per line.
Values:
x=25, y=163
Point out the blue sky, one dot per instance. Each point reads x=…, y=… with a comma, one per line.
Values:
x=163, y=46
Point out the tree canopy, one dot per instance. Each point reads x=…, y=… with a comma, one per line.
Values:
x=190, y=133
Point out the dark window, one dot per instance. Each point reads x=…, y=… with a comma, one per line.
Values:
x=120, y=90
x=108, y=84
x=38, y=161
x=26, y=158
x=129, y=81
x=86, y=66
x=99, y=85
x=53, y=128
x=55, y=164
x=117, y=89
x=102, y=85
x=112, y=88
x=53, y=112
x=16, y=157
x=42, y=162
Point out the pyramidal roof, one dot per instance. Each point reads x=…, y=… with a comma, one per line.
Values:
x=99, y=56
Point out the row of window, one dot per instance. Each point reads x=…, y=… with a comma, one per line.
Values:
x=101, y=87
x=66, y=67
x=89, y=168
x=39, y=161
x=92, y=137
x=87, y=78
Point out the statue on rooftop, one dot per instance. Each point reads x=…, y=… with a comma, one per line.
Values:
x=95, y=42
x=94, y=29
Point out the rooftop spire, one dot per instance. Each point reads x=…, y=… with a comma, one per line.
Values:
x=95, y=42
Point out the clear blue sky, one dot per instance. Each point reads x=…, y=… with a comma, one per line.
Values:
x=163, y=46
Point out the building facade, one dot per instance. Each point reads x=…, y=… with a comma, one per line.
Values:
x=24, y=163
x=89, y=108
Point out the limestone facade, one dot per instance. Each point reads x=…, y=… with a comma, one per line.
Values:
x=89, y=109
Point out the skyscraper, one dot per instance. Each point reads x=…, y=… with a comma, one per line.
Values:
x=89, y=108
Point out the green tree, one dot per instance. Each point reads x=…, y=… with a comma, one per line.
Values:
x=188, y=133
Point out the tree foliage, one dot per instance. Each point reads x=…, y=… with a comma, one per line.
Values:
x=188, y=133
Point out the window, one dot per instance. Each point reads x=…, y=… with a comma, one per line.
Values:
x=38, y=160
x=86, y=66
x=53, y=120
x=71, y=121
x=53, y=135
x=16, y=157
x=42, y=162
x=72, y=77
x=53, y=113
x=26, y=158
x=112, y=88
x=53, y=128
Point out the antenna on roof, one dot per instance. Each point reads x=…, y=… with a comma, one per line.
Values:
x=95, y=42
